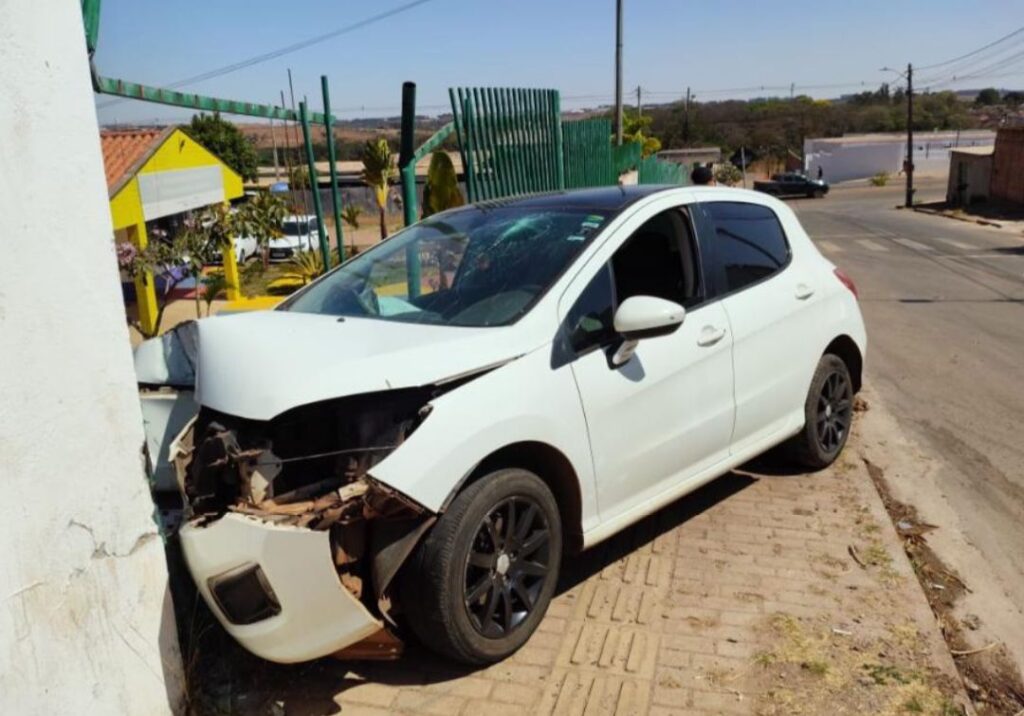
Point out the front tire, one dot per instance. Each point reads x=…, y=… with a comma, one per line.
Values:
x=477, y=587
x=828, y=414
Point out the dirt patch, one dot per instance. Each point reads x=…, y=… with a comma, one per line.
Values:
x=989, y=673
x=814, y=668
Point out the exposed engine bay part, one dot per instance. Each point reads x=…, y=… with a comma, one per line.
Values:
x=302, y=455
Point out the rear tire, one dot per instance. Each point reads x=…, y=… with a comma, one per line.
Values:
x=828, y=415
x=479, y=584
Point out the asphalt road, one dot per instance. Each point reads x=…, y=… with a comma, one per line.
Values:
x=944, y=305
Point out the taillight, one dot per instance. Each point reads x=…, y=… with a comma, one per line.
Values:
x=847, y=281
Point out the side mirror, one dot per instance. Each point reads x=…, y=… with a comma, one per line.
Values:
x=644, y=317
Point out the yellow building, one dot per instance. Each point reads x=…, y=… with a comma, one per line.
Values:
x=157, y=173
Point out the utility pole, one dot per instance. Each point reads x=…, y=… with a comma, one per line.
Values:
x=686, y=118
x=639, y=106
x=618, y=72
x=273, y=140
x=792, y=89
x=312, y=187
x=910, y=136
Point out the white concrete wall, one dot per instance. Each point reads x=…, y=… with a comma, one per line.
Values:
x=85, y=623
x=851, y=159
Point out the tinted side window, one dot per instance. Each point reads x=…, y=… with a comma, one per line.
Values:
x=659, y=259
x=749, y=242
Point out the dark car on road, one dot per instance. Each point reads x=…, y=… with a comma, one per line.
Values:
x=793, y=184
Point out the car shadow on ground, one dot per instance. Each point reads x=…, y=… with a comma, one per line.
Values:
x=224, y=678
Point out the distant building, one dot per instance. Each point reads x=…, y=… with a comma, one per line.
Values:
x=859, y=156
x=970, y=169
x=1008, y=165
x=692, y=155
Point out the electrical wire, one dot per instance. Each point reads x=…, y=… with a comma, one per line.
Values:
x=281, y=51
x=1016, y=32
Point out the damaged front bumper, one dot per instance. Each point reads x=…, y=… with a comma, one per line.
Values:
x=295, y=560
x=281, y=576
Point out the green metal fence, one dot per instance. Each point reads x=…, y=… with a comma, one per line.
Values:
x=652, y=170
x=513, y=141
x=510, y=140
x=587, y=153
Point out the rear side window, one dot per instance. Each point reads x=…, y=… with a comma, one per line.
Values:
x=750, y=244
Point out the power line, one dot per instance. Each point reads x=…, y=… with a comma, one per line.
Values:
x=979, y=61
x=1018, y=31
x=288, y=49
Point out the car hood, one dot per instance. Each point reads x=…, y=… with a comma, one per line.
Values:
x=286, y=242
x=258, y=365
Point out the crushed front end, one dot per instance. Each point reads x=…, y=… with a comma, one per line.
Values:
x=290, y=540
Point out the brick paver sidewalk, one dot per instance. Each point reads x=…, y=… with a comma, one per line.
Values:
x=744, y=597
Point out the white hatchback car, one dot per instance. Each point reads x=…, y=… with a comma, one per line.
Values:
x=413, y=441
x=299, y=233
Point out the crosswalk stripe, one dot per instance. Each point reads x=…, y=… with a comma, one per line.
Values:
x=829, y=246
x=956, y=244
x=911, y=244
x=872, y=245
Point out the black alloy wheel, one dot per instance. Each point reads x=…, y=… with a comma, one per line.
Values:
x=480, y=582
x=828, y=415
x=507, y=566
x=835, y=411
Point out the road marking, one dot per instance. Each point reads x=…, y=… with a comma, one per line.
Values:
x=829, y=246
x=913, y=245
x=956, y=244
x=872, y=245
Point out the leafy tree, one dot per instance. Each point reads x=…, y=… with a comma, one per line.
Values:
x=987, y=97
x=378, y=172
x=226, y=141
x=261, y=218
x=177, y=260
x=441, y=190
x=637, y=128
x=1013, y=99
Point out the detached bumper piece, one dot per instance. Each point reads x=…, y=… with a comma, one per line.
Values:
x=275, y=588
x=244, y=595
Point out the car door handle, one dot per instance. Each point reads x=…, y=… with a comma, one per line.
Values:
x=803, y=291
x=709, y=336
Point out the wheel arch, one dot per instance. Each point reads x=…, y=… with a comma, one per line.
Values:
x=549, y=464
x=848, y=350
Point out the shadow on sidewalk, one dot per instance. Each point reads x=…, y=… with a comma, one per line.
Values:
x=224, y=678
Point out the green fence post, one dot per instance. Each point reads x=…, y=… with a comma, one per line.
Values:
x=407, y=174
x=556, y=119
x=335, y=195
x=325, y=252
x=91, y=19
x=406, y=152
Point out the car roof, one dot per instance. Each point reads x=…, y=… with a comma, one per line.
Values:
x=606, y=198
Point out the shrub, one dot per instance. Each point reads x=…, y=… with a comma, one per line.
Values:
x=728, y=174
x=880, y=179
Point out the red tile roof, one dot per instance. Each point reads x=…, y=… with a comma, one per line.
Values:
x=124, y=152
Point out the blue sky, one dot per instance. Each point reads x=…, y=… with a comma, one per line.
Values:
x=712, y=46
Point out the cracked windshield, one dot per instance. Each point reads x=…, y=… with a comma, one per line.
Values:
x=473, y=267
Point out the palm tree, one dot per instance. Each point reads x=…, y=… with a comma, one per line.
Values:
x=378, y=171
